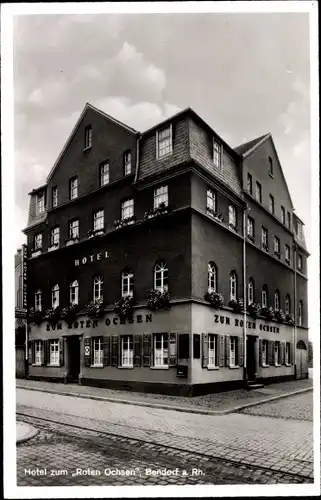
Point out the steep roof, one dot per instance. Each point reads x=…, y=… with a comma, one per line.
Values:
x=247, y=147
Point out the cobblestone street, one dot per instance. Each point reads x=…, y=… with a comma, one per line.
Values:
x=237, y=448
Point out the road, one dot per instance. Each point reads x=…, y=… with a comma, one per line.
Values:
x=112, y=443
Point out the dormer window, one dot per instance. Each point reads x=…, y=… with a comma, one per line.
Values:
x=299, y=229
x=88, y=137
x=164, y=145
x=40, y=203
x=271, y=168
x=127, y=162
x=216, y=154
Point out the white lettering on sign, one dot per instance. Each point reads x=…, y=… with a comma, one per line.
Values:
x=92, y=258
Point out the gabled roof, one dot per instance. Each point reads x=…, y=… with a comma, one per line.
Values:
x=87, y=107
x=248, y=147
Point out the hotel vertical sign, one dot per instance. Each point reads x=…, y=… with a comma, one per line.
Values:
x=24, y=277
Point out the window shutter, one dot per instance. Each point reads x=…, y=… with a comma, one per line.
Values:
x=221, y=350
x=114, y=350
x=183, y=346
x=156, y=144
x=87, y=351
x=46, y=352
x=240, y=348
x=282, y=345
x=106, y=350
x=137, y=350
x=172, y=352
x=61, y=352
x=42, y=352
x=260, y=351
x=273, y=353
x=30, y=352
x=205, y=350
x=227, y=350
x=270, y=345
x=291, y=353
x=147, y=349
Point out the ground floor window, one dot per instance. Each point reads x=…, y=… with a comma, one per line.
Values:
x=161, y=349
x=264, y=352
x=38, y=352
x=212, y=350
x=98, y=351
x=127, y=351
x=54, y=352
x=233, y=350
x=277, y=353
x=288, y=353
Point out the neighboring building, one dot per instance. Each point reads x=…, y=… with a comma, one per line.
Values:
x=159, y=217
x=20, y=316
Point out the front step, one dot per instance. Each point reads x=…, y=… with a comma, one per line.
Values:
x=253, y=385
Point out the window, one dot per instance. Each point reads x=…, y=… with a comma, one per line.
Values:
x=40, y=203
x=287, y=254
x=233, y=287
x=127, y=209
x=212, y=350
x=88, y=137
x=161, y=349
x=98, y=288
x=264, y=298
x=276, y=300
x=127, y=162
x=55, y=296
x=277, y=246
x=99, y=220
x=54, y=196
x=38, y=300
x=289, y=220
x=300, y=313
x=164, y=141
x=54, y=352
x=127, y=283
x=233, y=348
x=287, y=353
x=55, y=237
x=74, y=292
x=277, y=353
x=299, y=229
x=264, y=352
x=161, y=196
x=300, y=262
x=127, y=351
x=217, y=154
x=73, y=188
x=249, y=183
x=104, y=173
x=38, y=352
x=283, y=215
x=264, y=238
x=271, y=169
x=161, y=277
x=250, y=227
x=250, y=297
x=211, y=277
x=74, y=229
x=98, y=351
x=211, y=201
x=271, y=204
x=232, y=216
x=287, y=307
x=258, y=192
x=38, y=241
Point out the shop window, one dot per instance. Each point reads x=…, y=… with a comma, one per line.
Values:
x=127, y=283
x=212, y=350
x=212, y=277
x=74, y=292
x=127, y=351
x=38, y=300
x=55, y=296
x=161, y=349
x=38, y=352
x=161, y=277
x=54, y=352
x=233, y=286
x=98, y=351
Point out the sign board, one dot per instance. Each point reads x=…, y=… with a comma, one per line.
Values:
x=24, y=277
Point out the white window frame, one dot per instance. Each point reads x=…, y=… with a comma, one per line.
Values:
x=38, y=300
x=264, y=296
x=250, y=294
x=250, y=226
x=74, y=292
x=40, y=203
x=99, y=220
x=104, y=173
x=276, y=301
x=264, y=352
x=161, y=354
x=300, y=313
x=212, y=350
x=38, y=241
x=74, y=229
x=55, y=236
x=277, y=245
x=128, y=162
x=73, y=188
x=161, y=274
x=88, y=137
x=287, y=253
x=211, y=200
x=98, y=351
x=232, y=216
x=277, y=353
x=233, y=351
x=160, y=196
x=164, y=143
x=127, y=351
x=264, y=237
x=287, y=305
x=38, y=352
x=127, y=208
x=217, y=154
x=54, y=196
x=127, y=283
x=212, y=278
x=55, y=296
x=249, y=183
x=233, y=286
x=258, y=192
x=98, y=288
x=54, y=351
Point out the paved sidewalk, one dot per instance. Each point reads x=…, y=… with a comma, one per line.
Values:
x=218, y=403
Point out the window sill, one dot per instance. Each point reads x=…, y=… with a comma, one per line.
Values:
x=265, y=366
x=234, y=367
x=126, y=367
x=288, y=364
x=37, y=364
x=51, y=249
x=211, y=368
x=87, y=148
x=53, y=364
x=164, y=156
x=277, y=364
x=161, y=367
x=36, y=253
x=72, y=242
x=97, y=366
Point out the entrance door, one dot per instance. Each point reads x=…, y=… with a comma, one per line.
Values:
x=250, y=358
x=73, y=358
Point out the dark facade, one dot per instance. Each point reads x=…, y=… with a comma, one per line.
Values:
x=170, y=241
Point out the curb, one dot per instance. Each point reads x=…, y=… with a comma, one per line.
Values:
x=32, y=432
x=167, y=407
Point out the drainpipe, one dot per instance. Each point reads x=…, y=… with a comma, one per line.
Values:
x=244, y=295
x=137, y=158
x=295, y=310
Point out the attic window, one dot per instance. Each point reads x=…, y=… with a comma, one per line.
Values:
x=299, y=229
x=164, y=142
x=271, y=169
x=88, y=137
x=216, y=154
x=40, y=203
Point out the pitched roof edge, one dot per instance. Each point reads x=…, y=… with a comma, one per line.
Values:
x=253, y=148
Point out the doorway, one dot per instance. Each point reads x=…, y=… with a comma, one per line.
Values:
x=250, y=358
x=73, y=346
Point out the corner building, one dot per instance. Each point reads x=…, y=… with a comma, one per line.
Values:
x=174, y=209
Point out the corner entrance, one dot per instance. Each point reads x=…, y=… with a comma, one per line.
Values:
x=250, y=358
x=73, y=348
